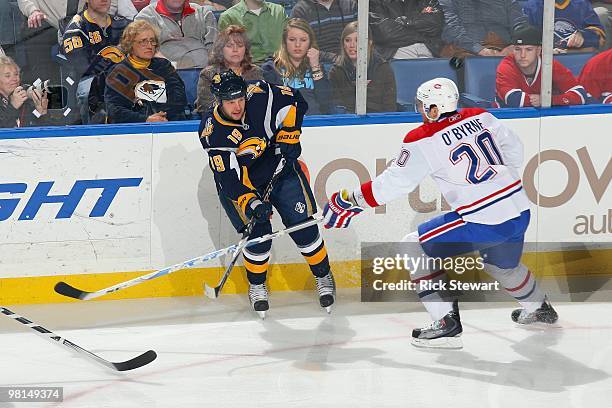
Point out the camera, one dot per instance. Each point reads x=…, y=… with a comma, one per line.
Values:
x=56, y=94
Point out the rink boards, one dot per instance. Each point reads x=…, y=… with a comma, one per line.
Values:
x=98, y=205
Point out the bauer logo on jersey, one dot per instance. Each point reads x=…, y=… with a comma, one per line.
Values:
x=253, y=146
x=152, y=91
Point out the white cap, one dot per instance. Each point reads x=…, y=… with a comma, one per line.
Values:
x=441, y=92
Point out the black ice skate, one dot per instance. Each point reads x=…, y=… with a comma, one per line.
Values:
x=443, y=333
x=258, y=295
x=326, y=286
x=544, y=314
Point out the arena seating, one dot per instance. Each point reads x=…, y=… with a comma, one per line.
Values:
x=409, y=74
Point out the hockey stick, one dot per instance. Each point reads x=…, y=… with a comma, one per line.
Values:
x=67, y=290
x=136, y=362
x=213, y=293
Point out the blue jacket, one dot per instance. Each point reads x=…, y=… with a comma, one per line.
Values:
x=570, y=16
x=120, y=96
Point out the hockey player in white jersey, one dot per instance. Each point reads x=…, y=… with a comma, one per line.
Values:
x=476, y=163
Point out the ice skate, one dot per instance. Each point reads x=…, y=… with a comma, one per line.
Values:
x=444, y=333
x=326, y=287
x=258, y=295
x=544, y=314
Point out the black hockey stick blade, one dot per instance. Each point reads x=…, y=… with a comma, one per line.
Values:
x=67, y=290
x=136, y=362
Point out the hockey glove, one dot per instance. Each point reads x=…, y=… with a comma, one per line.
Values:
x=288, y=140
x=258, y=210
x=339, y=210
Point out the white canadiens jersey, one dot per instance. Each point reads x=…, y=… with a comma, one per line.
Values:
x=474, y=159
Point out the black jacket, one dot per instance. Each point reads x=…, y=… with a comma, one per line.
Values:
x=22, y=117
x=120, y=98
x=399, y=23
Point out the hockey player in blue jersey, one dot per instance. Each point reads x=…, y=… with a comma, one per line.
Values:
x=476, y=162
x=249, y=130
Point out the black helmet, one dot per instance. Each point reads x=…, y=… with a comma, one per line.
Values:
x=227, y=85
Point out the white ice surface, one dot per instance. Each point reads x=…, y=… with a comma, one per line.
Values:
x=218, y=354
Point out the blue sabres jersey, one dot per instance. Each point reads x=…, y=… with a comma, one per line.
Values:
x=243, y=155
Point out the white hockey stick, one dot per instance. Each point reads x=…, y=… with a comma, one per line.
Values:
x=67, y=290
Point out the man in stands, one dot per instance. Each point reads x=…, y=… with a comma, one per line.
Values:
x=327, y=19
x=88, y=33
x=187, y=31
x=577, y=27
x=518, y=80
x=596, y=76
x=406, y=29
x=475, y=27
x=264, y=22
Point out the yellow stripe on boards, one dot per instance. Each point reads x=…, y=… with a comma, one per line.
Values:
x=293, y=277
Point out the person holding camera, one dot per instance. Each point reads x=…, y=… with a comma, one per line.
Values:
x=20, y=105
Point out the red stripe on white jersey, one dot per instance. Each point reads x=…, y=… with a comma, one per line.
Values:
x=490, y=196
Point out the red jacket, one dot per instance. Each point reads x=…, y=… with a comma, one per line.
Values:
x=596, y=76
x=513, y=88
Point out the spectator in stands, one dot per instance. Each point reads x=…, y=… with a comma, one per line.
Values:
x=381, y=81
x=476, y=27
x=518, y=80
x=297, y=65
x=596, y=76
x=86, y=36
x=142, y=87
x=188, y=31
x=54, y=11
x=20, y=106
x=44, y=19
x=264, y=22
x=231, y=50
x=577, y=27
x=9, y=34
x=327, y=18
x=603, y=9
x=407, y=29
x=140, y=4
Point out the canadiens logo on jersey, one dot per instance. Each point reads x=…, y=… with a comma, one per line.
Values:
x=253, y=147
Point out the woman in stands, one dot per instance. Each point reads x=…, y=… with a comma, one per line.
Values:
x=20, y=106
x=231, y=50
x=297, y=65
x=381, y=82
x=142, y=87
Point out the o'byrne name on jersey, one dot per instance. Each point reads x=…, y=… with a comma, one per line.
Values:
x=464, y=130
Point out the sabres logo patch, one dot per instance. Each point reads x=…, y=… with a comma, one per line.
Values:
x=216, y=79
x=254, y=89
x=208, y=128
x=253, y=146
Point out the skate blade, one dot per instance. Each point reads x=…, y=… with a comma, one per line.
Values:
x=451, y=343
x=328, y=309
x=261, y=314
